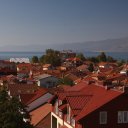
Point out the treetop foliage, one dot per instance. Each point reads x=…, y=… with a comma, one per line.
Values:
x=12, y=112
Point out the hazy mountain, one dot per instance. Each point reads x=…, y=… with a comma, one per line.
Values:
x=109, y=45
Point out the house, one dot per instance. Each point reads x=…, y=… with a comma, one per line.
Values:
x=90, y=105
x=83, y=68
x=36, y=69
x=45, y=122
x=47, y=67
x=40, y=117
x=116, y=80
x=75, y=61
x=17, y=89
x=24, y=67
x=67, y=54
x=35, y=99
x=20, y=60
x=72, y=77
x=124, y=69
x=107, y=65
x=4, y=80
x=46, y=80
x=7, y=68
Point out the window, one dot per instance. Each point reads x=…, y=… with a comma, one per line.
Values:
x=125, y=117
x=103, y=117
x=122, y=116
x=54, y=122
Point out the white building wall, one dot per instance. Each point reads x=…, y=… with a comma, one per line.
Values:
x=44, y=82
x=60, y=121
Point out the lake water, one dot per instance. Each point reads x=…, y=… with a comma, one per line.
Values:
x=8, y=55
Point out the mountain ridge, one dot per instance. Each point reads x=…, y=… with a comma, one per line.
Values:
x=108, y=45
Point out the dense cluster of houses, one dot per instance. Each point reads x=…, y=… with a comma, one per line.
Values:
x=97, y=99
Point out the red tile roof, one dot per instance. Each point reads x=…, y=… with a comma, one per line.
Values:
x=78, y=102
x=23, y=65
x=16, y=89
x=40, y=92
x=117, y=77
x=100, y=97
x=46, y=65
x=38, y=114
x=82, y=67
x=84, y=99
x=28, y=98
x=78, y=87
x=45, y=122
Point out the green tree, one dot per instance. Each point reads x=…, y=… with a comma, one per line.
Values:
x=81, y=56
x=110, y=59
x=66, y=81
x=91, y=67
x=51, y=57
x=41, y=59
x=35, y=59
x=93, y=59
x=49, y=51
x=12, y=113
x=121, y=62
x=102, y=57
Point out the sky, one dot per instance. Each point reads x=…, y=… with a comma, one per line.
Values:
x=28, y=22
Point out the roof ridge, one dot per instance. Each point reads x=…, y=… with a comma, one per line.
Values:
x=80, y=95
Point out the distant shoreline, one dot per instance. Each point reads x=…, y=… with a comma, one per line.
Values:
x=22, y=54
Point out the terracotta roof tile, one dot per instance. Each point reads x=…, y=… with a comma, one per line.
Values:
x=84, y=99
x=28, y=98
x=78, y=102
x=16, y=89
x=40, y=92
x=100, y=97
x=45, y=122
x=38, y=114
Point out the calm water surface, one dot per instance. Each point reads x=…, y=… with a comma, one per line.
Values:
x=8, y=55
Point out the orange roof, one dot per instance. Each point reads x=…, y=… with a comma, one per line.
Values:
x=16, y=89
x=46, y=65
x=28, y=98
x=23, y=65
x=84, y=99
x=100, y=96
x=72, y=76
x=38, y=114
x=73, y=59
